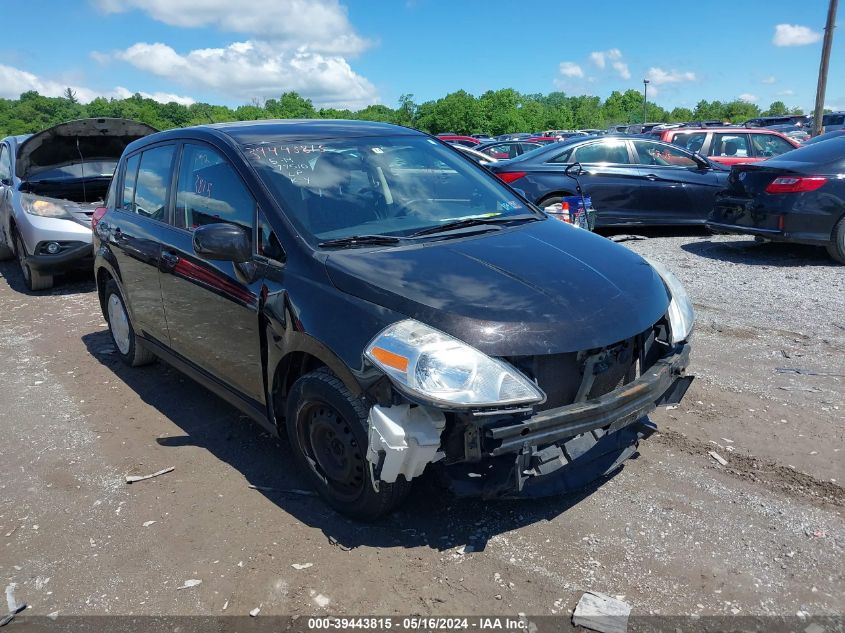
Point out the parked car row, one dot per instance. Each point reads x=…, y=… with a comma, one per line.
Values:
x=795, y=196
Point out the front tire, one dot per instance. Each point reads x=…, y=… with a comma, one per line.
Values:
x=327, y=429
x=131, y=350
x=33, y=279
x=836, y=248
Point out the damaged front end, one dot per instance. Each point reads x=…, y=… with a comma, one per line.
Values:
x=595, y=412
x=521, y=425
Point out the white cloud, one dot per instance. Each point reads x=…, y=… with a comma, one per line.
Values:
x=786, y=93
x=320, y=25
x=768, y=80
x=14, y=81
x=747, y=97
x=658, y=76
x=795, y=35
x=254, y=68
x=571, y=69
x=622, y=69
x=601, y=58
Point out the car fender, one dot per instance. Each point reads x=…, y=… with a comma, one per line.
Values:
x=105, y=261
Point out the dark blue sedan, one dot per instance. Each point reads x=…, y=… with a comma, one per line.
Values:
x=632, y=181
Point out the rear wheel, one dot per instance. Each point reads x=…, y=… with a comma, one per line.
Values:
x=131, y=350
x=327, y=429
x=836, y=248
x=552, y=200
x=33, y=279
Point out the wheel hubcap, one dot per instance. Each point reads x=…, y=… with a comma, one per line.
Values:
x=118, y=324
x=332, y=450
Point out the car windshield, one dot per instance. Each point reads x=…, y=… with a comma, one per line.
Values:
x=387, y=185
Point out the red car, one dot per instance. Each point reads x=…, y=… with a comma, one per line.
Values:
x=729, y=145
x=466, y=141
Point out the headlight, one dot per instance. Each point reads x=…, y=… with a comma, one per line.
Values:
x=681, y=314
x=445, y=371
x=45, y=208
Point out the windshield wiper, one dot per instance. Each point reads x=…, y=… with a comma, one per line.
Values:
x=360, y=240
x=466, y=222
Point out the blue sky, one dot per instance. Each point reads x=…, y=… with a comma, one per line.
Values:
x=357, y=52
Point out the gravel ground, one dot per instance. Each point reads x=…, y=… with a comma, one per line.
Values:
x=674, y=533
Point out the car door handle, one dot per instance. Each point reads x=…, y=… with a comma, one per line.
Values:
x=652, y=177
x=169, y=259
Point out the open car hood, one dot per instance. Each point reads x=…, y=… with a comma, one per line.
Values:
x=61, y=145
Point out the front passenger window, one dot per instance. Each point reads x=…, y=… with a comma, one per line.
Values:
x=210, y=191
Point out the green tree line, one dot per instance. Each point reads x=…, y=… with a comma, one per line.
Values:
x=494, y=112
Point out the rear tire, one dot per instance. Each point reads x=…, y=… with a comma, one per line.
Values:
x=836, y=248
x=131, y=350
x=547, y=202
x=33, y=279
x=327, y=429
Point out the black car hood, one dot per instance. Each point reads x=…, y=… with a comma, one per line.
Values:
x=61, y=145
x=541, y=288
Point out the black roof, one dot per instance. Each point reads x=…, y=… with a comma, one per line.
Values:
x=250, y=131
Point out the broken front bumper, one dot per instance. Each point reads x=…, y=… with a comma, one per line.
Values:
x=564, y=449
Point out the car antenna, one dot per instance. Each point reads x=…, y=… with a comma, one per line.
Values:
x=82, y=167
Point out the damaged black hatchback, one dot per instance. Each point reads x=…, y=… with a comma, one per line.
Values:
x=389, y=306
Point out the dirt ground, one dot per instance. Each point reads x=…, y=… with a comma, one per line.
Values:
x=673, y=533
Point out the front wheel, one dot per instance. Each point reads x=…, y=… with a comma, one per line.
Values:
x=836, y=248
x=327, y=429
x=33, y=279
x=122, y=333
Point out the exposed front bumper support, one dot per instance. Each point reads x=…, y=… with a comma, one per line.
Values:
x=563, y=450
x=616, y=409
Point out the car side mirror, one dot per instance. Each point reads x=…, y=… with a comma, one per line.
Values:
x=221, y=241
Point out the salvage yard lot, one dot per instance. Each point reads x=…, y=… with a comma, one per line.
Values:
x=675, y=532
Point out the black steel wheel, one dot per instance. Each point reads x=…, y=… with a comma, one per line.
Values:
x=327, y=429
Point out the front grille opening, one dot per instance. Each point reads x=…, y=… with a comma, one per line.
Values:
x=561, y=376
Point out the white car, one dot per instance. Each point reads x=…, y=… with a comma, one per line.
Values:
x=50, y=184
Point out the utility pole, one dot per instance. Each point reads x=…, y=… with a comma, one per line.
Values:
x=822, y=85
x=645, y=96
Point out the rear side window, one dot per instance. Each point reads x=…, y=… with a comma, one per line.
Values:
x=693, y=141
x=210, y=191
x=153, y=181
x=129, y=183
x=609, y=152
x=730, y=146
x=767, y=145
x=663, y=154
x=502, y=151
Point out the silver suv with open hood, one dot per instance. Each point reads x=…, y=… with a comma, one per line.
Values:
x=50, y=184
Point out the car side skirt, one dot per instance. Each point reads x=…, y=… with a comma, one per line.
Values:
x=252, y=408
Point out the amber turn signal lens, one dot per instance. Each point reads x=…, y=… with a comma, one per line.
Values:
x=389, y=358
